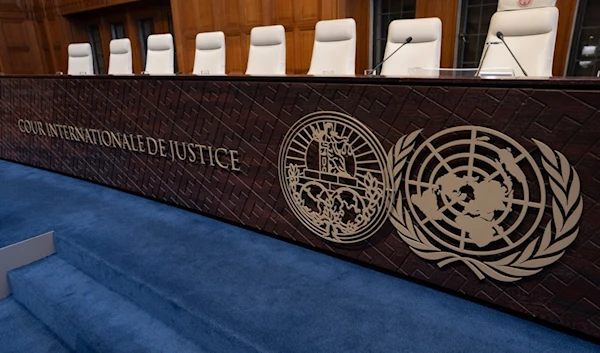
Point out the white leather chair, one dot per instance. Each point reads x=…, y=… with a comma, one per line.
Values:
x=81, y=61
x=334, y=49
x=210, y=54
x=119, y=62
x=529, y=31
x=267, y=51
x=160, y=57
x=423, y=51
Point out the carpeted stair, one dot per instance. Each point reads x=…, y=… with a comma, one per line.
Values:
x=20, y=332
x=87, y=316
x=226, y=289
x=243, y=292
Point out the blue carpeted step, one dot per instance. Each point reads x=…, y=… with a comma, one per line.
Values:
x=247, y=292
x=234, y=290
x=20, y=332
x=87, y=316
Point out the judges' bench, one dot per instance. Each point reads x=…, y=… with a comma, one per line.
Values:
x=485, y=188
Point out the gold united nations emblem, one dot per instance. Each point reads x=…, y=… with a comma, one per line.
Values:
x=466, y=194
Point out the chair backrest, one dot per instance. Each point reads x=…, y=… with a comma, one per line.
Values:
x=81, y=61
x=160, y=56
x=210, y=54
x=529, y=29
x=334, y=49
x=119, y=62
x=423, y=51
x=267, y=51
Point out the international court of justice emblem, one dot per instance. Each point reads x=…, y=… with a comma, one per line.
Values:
x=466, y=194
x=333, y=175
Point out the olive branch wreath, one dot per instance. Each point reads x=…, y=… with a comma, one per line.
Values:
x=559, y=232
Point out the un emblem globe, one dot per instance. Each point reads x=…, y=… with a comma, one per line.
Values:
x=475, y=191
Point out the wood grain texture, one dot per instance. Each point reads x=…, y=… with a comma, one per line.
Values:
x=447, y=11
x=68, y=7
x=237, y=18
x=252, y=115
x=20, y=47
x=360, y=10
x=566, y=20
x=44, y=29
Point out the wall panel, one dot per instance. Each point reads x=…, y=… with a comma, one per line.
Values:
x=238, y=17
x=62, y=22
x=47, y=27
x=360, y=11
x=20, y=51
x=447, y=11
x=566, y=20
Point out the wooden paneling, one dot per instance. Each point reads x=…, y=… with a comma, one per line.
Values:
x=447, y=11
x=128, y=14
x=67, y=7
x=20, y=51
x=566, y=20
x=360, y=11
x=237, y=18
x=44, y=28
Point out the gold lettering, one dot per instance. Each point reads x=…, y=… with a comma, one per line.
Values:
x=92, y=136
x=171, y=150
x=79, y=134
x=61, y=133
x=210, y=154
x=201, y=153
x=65, y=130
x=183, y=151
x=224, y=166
x=116, y=140
x=234, y=160
x=125, y=142
x=41, y=128
x=106, y=140
x=150, y=151
x=72, y=133
x=34, y=128
x=51, y=130
x=181, y=157
x=141, y=143
x=27, y=126
x=132, y=145
x=21, y=124
x=190, y=148
x=162, y=146
x=88, y=137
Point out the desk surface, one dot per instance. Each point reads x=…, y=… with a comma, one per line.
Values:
x=102, y=129
x=519, y=82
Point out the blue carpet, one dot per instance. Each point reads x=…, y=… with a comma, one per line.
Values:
x=229, y=289
x=20, y=332
x=87, y=316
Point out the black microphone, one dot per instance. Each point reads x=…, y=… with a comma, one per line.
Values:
x=406, y=41
x=501, y=37
x=485, y=51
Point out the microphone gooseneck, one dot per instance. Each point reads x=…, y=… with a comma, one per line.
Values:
x=500, y=36
x=487, y=48
x=406, y=41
